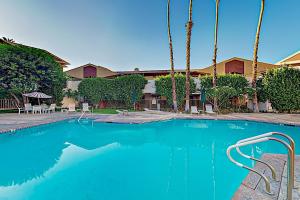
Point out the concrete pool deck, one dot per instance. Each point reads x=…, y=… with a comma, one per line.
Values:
x=252, y=186
x=13, y=121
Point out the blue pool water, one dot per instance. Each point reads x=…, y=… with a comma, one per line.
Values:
x=171, y=160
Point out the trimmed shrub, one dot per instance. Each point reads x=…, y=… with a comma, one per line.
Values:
x=164, y=88
x=235, y=81
x=126, y=89
x=282, y=86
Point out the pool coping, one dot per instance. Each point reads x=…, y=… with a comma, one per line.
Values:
x=163, y=117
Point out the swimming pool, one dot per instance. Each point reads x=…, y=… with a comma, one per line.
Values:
x=170, y=160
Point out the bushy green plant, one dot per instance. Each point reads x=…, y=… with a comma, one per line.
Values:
x=25, y=69
x=235, y=81
x=164, y=88
x=127, y=89
x=283, y=88
x=261, y=92
x=73, y=94
x=223, y=94
x=229, y=86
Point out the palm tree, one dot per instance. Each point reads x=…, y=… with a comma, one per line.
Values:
x=254, y=65
x=7, y=40
x=189, y=26
x=215, y=53
x=172, y=62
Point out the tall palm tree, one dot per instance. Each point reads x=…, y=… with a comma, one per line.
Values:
x=189, y=26
x=172, y=61
x=215, y=53
x=7, y=40
x=254, y=65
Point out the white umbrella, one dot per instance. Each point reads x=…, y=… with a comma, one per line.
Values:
x=38, y=95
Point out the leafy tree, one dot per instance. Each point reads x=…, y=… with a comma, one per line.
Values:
x=229, y=86
x=223, y=94
x=164, y=88
x=26, y=69
x=282, y=86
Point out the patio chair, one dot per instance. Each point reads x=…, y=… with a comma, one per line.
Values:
x=71, y=107
x=194, y=110
x=85, y=107
x=122, y=112
x=51, y=108
x=208, y=109
x=28, y=107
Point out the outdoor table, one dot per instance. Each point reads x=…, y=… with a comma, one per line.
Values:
x=44, y=108
x=36, y=109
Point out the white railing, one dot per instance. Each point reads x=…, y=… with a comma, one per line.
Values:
x=8, y=104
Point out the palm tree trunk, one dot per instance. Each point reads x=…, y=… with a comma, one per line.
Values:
x=215, y=53
x=254, y=65
x=189, y=26
x=172, y=62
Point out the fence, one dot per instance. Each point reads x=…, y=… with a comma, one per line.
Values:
x=8, y=104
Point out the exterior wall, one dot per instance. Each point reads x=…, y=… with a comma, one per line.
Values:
x=89, y=72
x=66, y=101
x=76, y=73
x=294, y=58
x=234, y=67
x=73, y=85
x=262, y=106
x=236, y=63
x=104, y=72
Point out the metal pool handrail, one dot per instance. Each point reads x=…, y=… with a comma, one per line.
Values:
x=228, y=152
x=264, y=138
x=292, y=144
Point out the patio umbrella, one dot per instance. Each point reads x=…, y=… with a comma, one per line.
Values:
x=38, y=95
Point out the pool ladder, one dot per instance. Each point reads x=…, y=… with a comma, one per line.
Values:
x=264, y=138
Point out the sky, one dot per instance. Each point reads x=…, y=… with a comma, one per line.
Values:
x=125, y=34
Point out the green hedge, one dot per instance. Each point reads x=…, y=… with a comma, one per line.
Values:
x=127, y=89
x=164, y=88
x=282, y=86
x=235, y=81
x=26, y=69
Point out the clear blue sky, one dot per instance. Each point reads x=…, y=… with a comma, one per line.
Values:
x=124, y=34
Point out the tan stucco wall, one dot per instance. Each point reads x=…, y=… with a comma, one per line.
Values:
x=261, y=67
x=77, y=73
x=294, y=58
x=101, y=72
x=66, y=101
